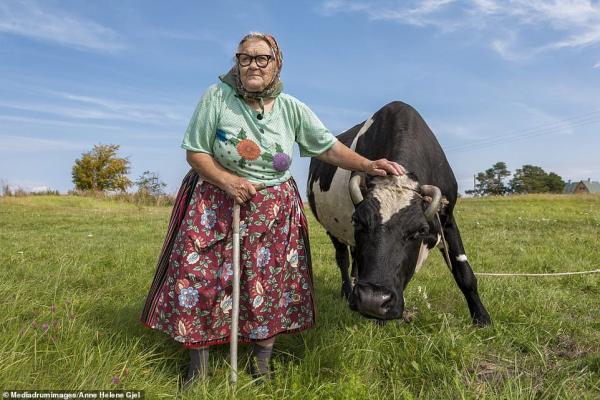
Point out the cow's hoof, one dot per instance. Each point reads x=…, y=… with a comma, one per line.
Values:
x=482, y=320
x=345, y=292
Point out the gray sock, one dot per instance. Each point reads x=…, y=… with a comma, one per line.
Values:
x=263, y=357
x=198, y=365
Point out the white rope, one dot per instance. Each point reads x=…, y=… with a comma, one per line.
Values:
x=595, y=271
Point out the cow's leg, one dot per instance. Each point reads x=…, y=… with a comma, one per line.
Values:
x=463, y=274
x=343, y=262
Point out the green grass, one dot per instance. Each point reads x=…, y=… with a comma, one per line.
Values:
x=83, y=266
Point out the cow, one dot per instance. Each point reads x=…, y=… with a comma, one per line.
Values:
x=390, y=223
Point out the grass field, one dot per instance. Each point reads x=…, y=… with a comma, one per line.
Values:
x=75, y=272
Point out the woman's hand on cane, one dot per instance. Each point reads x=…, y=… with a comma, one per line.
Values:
x=240, y=189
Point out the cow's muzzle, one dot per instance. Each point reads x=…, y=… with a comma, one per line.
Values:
x=372, y=301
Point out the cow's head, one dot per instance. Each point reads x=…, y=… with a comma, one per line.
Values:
x=393, y=224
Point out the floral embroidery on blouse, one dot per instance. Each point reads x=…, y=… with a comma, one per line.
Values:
x=248, y=149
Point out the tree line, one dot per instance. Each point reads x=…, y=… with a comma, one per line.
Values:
x=102, y=170
x=527, y=179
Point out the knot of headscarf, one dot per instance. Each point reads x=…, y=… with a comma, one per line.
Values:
x=273, y=89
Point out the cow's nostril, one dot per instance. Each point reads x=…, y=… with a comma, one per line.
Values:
x=386, y=301
x=371, y=300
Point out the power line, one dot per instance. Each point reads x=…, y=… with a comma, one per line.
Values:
x=559, y=126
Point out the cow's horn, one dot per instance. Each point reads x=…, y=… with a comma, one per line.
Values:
x=354, y=187
x=436, y=197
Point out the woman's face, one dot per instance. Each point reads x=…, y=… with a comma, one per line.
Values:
x=254, y=78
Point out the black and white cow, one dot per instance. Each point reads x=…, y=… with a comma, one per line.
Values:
x=390, y=223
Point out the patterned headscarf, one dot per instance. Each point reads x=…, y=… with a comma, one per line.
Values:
x=232, y=78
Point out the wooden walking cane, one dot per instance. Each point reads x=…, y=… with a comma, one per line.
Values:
x=235, y=309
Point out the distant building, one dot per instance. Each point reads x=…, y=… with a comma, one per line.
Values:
x=582, y=187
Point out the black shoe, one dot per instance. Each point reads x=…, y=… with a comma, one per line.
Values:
x=259, y=376
x=191, y=377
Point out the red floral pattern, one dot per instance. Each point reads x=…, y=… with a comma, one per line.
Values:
x=194, y=304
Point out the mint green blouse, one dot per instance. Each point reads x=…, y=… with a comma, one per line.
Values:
x=225, y=127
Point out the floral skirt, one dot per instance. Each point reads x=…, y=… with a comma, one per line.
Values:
x=190, y=298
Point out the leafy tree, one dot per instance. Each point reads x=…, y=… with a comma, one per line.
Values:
x=533, y=179
x=149, y=183
x=100, y=169
x=491, y=181
x=556, y=184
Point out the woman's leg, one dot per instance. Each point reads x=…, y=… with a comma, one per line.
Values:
x=262, y=352
x=198, y=365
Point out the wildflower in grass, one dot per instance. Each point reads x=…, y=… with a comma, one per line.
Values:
x=33, y=324
x=188, y=297
x=126, y=371
x=53, y=308
x=425, y=297
x=45, y=327
x=116, y=380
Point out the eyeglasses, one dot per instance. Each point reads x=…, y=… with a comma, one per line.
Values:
x=262, y=60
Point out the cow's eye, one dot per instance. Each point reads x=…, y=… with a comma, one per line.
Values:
x=420, y=233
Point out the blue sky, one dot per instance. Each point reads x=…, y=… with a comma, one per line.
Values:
x=515, y=81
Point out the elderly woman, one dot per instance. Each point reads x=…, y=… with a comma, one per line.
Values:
x=241, y=135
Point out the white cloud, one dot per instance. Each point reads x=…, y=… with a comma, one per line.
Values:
x=508, y=48
x=14, y=143
x=568, y=23
x=53, y=122
x=418, y=13
x=95, y=108
x=30, y=19
x=597, y=65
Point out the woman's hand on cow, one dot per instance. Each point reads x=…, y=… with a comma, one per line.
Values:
x=383, y=167
x=240, y=189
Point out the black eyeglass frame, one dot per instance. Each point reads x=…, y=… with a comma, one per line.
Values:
x=255, y=59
